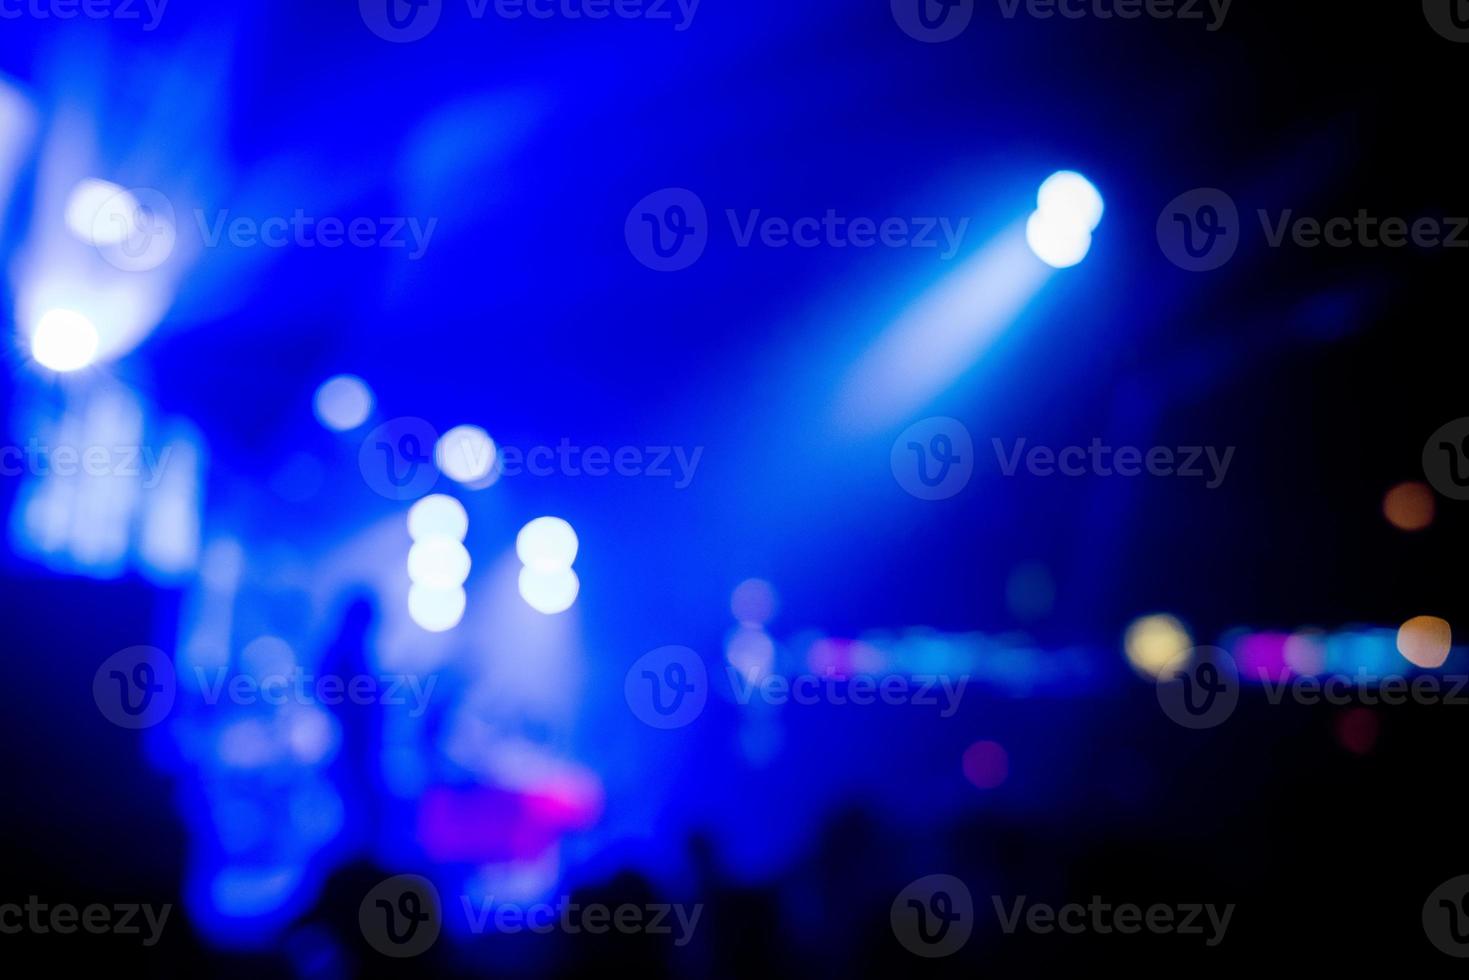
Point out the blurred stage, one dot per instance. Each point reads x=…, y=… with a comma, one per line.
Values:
x=517, y=489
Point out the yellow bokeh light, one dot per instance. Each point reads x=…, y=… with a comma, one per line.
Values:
x=1153, y=643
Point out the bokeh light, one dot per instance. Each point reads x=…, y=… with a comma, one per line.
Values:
x=1305, y=653
x=64, y=340
x=466, y=454
x=1261, y=656
x=1425, y=641
x=751, y=651
x=436, y=610
x=343, y=402
x=100, y=212
x=1068, y=209
x=547, y=544
x=1409, y=506
x=754, y=602
x=986, y=765
x=267, y=656
x=1058, y=243
x=1153, y=643
x=438, y=562
x=438, y=516
x=1070, y=198
x=1357, y=730
x=549, y=591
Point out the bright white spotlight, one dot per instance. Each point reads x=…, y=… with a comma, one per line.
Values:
x=440, y=563
x=343, y=403
x=465, y=454
x=437, y=516
x=1070, y=198
x=546, y=544
x=436, y=610
x=64, y=340
x=1058, y=243
x=549, y=592
x=100, y=212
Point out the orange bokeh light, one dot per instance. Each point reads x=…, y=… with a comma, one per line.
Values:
x=1409, y=506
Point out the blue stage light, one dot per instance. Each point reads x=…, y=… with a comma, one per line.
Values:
x=1069, y=197
x=942, y=334
x=1058, y=243
x=1068, y=209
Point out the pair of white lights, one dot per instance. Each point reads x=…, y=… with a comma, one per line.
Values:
x=438, y=562
x=547, y=547
x=1068, y=209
